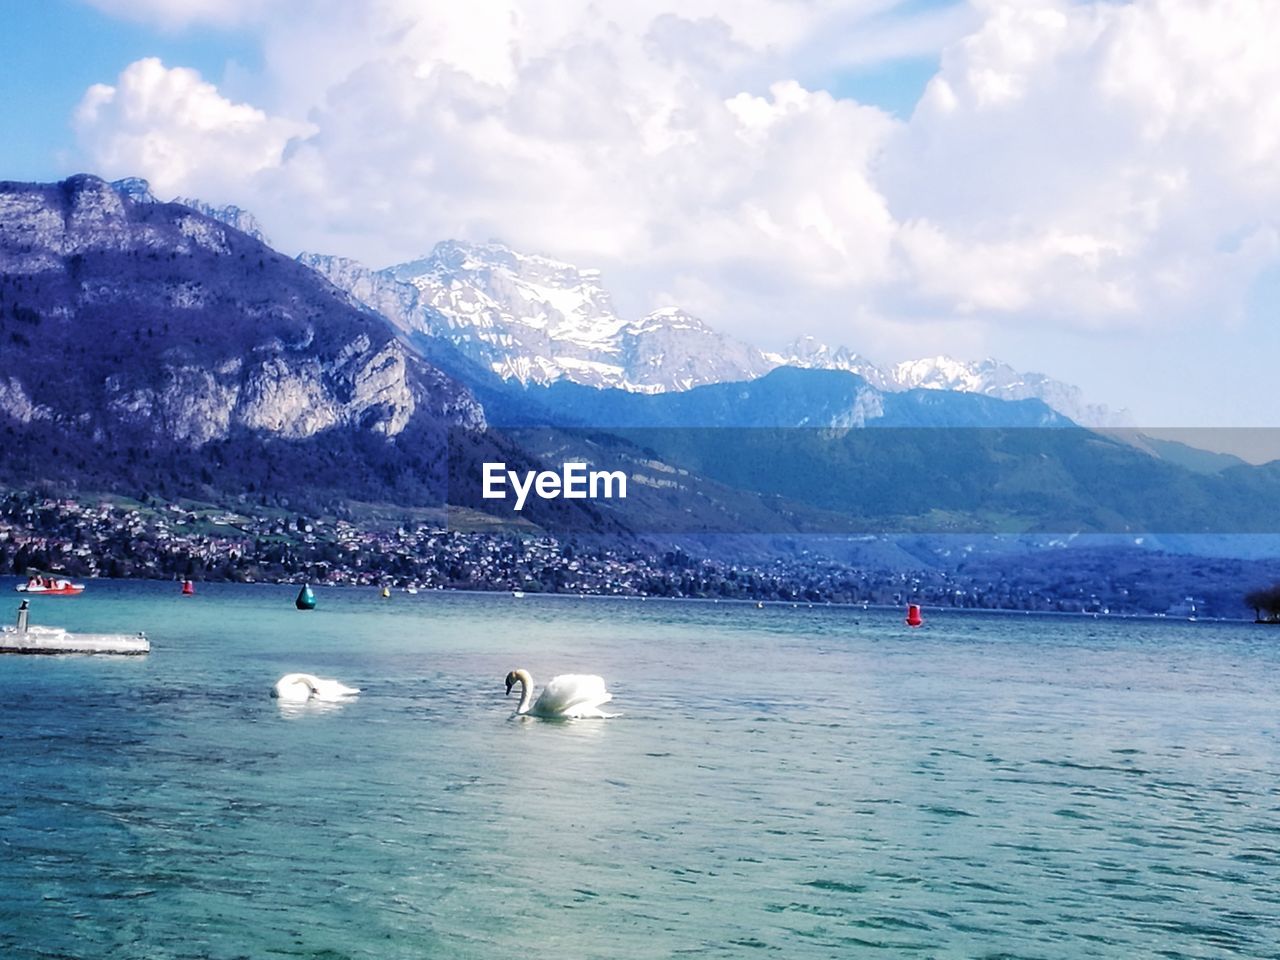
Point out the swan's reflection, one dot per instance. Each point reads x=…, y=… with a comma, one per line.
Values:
x=292, y=710
x=578, y=729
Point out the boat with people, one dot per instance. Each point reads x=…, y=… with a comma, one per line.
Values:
x=50, y=584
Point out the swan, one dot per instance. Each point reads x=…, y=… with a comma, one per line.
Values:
x=300, y=687
x=569, y=695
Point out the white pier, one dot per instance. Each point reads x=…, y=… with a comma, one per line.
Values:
x=28, y=639
x=57, y=640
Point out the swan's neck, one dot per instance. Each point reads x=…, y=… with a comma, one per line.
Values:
x=526, y=692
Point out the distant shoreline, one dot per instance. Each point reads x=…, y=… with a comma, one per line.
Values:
x=8, y=580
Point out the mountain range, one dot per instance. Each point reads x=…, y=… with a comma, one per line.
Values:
x=158, y=346
x=536, y=320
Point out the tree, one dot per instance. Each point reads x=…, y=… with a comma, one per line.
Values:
x=1265, y=599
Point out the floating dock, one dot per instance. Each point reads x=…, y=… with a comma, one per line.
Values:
x=24, y=638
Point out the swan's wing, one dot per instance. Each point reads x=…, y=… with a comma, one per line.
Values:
x=572, y=695
x=333, y=690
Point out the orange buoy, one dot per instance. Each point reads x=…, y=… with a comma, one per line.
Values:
x=913, y=615
x=188, y=588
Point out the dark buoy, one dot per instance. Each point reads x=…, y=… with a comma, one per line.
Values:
x=913, y=615
x=306, y=599
x=188, y=588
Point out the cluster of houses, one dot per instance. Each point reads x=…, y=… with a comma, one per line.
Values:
x=125, y=538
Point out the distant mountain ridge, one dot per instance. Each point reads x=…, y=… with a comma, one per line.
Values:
x=536, y=321
x=786, y=397
x=990, y=378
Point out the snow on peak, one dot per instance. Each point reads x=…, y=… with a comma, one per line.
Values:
x=989, y=377
x=946, y=373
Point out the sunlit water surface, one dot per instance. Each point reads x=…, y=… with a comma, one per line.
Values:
x=797, y=782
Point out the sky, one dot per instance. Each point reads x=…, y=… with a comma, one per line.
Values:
x=1085, y=189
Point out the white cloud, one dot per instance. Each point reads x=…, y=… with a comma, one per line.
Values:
x=179, y=131
x=1086, y=165
x=173, y=14
x=1093, y=162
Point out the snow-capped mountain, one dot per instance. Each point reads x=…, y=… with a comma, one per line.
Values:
x=811, y=354
x=537, y=320
x=995, y=379
x=990, y=378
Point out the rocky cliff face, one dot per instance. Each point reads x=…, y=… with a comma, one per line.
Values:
x=139, y=191
x=126, y=321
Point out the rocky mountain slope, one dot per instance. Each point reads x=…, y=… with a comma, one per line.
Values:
x=137, y=330
x=139, y=191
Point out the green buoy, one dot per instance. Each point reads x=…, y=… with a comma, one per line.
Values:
x=306, y=599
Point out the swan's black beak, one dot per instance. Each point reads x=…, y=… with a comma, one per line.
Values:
x=510, y=683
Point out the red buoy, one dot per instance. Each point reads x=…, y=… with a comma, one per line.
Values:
x=913, y=615
x=188, y=588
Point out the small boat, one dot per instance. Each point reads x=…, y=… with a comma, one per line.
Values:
x=306, y=599
x=518, y=594
x=188, y=588
x=50, y=585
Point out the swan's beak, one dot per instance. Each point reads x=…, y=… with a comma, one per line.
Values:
x=510, y=683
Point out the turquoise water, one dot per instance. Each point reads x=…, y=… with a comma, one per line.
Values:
x=786, y=782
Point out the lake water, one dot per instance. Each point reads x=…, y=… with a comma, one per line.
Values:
x=787, y=782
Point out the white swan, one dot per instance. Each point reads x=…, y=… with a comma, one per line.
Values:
x=569, y=695
x=300, y=687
